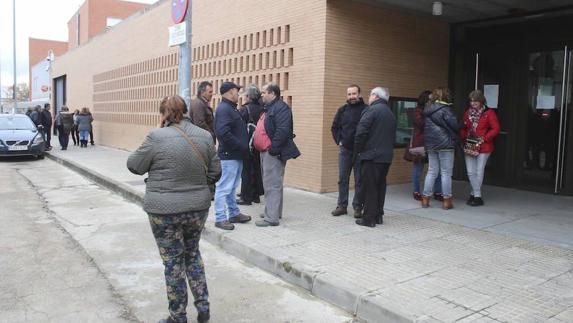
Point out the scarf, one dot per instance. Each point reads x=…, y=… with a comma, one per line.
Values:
x=475, y=115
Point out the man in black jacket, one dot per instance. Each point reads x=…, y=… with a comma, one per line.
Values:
x=374, y=143
x=233, y=139
x=343, y=130
x=47, y=124
x=278, y=126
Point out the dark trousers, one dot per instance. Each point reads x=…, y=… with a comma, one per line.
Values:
x=48, y=136
x=63, y=137
x=91, y=136
x=374, y=189
x=252, y=178
x=75, y=135
x=345, y=166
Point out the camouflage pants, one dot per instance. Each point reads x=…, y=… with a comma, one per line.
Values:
x=177, y=238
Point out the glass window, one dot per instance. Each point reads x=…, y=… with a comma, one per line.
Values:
x=403, y=109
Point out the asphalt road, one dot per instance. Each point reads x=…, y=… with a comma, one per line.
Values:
x=71, y=251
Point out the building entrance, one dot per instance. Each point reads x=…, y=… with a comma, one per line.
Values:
x=528, y=80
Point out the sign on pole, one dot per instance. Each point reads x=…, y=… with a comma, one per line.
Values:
x=178, y=34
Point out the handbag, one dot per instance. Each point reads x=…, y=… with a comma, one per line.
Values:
x=472, y=145
x=416, y=151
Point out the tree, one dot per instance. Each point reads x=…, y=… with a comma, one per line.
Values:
x=22, y=92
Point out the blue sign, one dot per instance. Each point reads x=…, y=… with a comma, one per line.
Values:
x=179, y=10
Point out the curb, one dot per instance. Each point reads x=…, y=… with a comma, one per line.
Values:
x=322, y=285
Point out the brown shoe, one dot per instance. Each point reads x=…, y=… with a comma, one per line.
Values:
x=225, y=225
x=425, y=202
x=447, y=203
x=241, y=218
x=339, y=211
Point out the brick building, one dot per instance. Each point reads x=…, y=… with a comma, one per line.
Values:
x=313, y=49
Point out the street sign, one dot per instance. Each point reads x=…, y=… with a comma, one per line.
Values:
x=177, y=34
x=178, y=10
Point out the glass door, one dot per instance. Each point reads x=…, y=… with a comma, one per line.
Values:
x=543, y=164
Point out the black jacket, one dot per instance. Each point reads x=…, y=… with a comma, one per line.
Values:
x=251, y=112
x=231, y=132
x=345, y=122
x=279, y=128
x=376, y=133
x=441, y=127
x=46, y=119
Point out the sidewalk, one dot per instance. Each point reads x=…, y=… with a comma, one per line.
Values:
x=414, y=267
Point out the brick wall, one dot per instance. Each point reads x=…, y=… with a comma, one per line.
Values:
x=373, y=46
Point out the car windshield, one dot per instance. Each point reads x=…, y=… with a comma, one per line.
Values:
x=15, y=123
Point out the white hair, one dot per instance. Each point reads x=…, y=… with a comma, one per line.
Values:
x=381, y=93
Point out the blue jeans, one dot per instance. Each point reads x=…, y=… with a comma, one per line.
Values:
x=344, y=168
x=417, y=168
x=84, y=135
x=441, y=163
x=476, y=167
x=225, y=190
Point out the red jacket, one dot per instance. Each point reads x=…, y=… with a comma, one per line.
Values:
x=487, y=128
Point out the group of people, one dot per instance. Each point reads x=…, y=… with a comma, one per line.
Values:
x=78, y=124
x=438, y=131
x=192, y=160
x=186, y=171
x=437, y=134
x=365, y=135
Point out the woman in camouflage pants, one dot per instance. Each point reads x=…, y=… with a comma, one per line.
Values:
x=182, y=167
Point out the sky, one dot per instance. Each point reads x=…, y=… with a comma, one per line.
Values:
x=47, y=19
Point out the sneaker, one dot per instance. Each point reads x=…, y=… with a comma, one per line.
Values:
x=203, y=317
x=339, y=211
x=357, y=213
x=225, y=225
x=241, y=218
x=263, y=223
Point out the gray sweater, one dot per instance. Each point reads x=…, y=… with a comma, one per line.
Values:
x=84, y=122
x=177, y=182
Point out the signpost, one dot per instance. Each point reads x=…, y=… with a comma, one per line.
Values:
x=181, y=15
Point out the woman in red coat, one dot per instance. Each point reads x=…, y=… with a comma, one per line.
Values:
x=481, y=126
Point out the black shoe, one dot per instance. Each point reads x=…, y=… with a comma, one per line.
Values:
x=225, y=225
x=243, y=202
x=339, y=211
x=379, y=219
x=168, y=320
x=477, y=201
x=364, y=223
x=357, y=213
x=257, y=200
x=92, y=143
x=203, y=317
x=470, y=200
x=241, y=218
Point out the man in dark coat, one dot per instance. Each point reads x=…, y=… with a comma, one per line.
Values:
x=374, y=143
x=251, y=178
x=200, y=112
x=343, y=130
x=47, y=124
x=233, y=139
x=278, y=126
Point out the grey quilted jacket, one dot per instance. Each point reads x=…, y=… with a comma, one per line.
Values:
x=177, y=180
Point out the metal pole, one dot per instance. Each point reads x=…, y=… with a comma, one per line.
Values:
x=185, y=60
x=14, y=38
x=477, y=71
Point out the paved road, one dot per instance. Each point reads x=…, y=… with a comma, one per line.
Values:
x=73, y=252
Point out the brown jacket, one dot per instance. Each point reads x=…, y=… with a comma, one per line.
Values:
x=201, y=115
